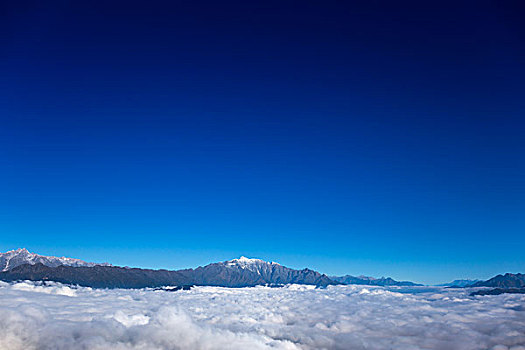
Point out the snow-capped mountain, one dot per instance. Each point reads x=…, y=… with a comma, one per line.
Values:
x=258, y=266
x=250, y=272
x=21, y=256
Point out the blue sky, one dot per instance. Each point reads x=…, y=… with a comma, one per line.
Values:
x=373, y=139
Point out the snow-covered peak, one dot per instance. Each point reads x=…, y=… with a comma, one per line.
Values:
x=258, y=271
x=244, y=261
x=21, y=256
x=258, y=266
x=368, y=278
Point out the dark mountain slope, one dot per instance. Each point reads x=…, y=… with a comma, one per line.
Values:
x=96, y=276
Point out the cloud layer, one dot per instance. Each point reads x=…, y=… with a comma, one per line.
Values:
x=57, y=317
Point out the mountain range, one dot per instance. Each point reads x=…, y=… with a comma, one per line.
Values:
x=20, y=264
x=243, y=272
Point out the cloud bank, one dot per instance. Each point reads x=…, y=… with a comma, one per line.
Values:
x=57, y=317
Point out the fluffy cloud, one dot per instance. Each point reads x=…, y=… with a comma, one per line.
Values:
x=38, y=317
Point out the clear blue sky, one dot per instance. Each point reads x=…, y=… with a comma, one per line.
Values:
x=372, y=138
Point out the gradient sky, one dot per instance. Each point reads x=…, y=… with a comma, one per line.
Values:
x=376, y=138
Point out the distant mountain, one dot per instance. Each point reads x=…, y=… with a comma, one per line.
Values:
x=508, y=280
x=241, y=272
x=246, y=272
x=459, y=283
x=14, y=258
x=365, y=280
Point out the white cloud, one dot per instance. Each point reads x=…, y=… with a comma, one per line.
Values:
x=56, y=317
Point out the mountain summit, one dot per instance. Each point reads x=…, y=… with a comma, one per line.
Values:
x=21, y=256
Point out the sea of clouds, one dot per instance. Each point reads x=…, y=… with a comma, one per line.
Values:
x=57, y=317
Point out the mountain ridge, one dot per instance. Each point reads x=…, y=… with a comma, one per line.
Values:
x=459, y=283
x=371, y=281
